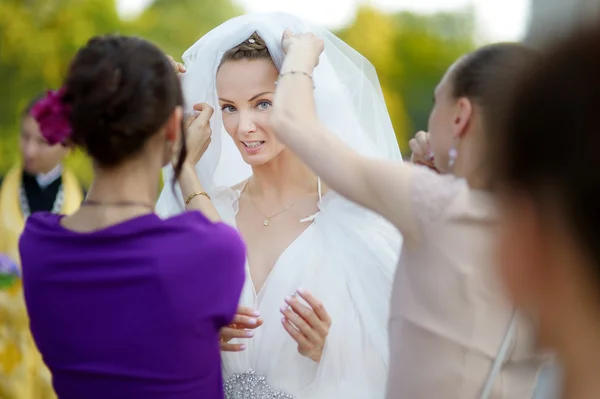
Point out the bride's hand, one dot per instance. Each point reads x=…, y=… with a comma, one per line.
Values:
x=243, y=323
x=308, y=326
x=421, y=150
x=197, y=134
x=177, y=66
x=306, y=46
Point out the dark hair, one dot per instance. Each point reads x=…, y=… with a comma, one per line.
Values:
x=484, y=74
x=253, y=48
x=122, y=90
x=550, y=135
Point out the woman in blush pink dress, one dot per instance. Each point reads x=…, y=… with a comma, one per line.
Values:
x=454, y=332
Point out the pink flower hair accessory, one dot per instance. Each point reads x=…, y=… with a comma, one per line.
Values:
x=53, y=117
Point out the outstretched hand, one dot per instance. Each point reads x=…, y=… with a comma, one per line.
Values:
x=308, y=326
x=242, y=326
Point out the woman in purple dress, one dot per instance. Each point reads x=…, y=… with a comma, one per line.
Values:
x=123, y=304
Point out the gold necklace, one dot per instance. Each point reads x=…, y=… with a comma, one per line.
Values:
x=267, y=220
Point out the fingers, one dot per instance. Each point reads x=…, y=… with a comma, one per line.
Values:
x=206, y=111
x=285, y=38
x=415, y=148
x=245, y=310
x=243, y=321
x=316, y=305
x=422, y=139
x=203, y=115
x=227, y=347
x=228, y=333
x=177, y=66
x=305, y=320
x=419, y=145
x=295, y=333
x=303, y=311
x=189, y=120
x=301, y=324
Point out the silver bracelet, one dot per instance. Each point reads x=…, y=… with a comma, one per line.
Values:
x=292, y=72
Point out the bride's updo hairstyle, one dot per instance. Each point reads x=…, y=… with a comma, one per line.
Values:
x=121, y=91
x=253, y=48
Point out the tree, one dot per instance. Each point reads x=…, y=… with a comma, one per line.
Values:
x=427, y=45
x=38, y=38
x=411, y=52
x=372, y=34
x=176, y=25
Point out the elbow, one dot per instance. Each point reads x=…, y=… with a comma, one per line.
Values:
x=286, y=123
x=282, y=120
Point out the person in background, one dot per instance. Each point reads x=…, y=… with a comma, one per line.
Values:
x=38, y=183
x=123, y=304
x=547, y=167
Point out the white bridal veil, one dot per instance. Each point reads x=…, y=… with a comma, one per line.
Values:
x=348, y=97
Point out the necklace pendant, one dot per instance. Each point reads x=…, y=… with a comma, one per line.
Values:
x=266, y=222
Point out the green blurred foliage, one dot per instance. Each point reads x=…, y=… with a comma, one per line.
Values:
x=411, y=53
x=39, y=37
x=37, y=40
x=174, y=25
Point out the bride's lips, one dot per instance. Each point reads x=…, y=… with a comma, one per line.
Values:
x=253, y=147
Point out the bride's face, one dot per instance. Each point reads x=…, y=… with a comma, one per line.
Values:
x=246, y=89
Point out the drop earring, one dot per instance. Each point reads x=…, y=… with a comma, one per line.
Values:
x=452, y=154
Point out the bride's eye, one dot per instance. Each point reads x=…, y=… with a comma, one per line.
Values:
x=263, y=105
x=228, y=109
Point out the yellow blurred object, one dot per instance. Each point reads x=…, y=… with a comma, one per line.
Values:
x=22, y=371
x=23, y=374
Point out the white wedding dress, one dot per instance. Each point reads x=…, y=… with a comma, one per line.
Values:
x=346, y=257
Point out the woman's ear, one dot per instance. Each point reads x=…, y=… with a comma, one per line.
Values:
x=462, y=117
x=173, y=125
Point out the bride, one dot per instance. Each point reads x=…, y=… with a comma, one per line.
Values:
x=319, y=268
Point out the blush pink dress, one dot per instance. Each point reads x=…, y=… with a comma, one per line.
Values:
x=449, y=312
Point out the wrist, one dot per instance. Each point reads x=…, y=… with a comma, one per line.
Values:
x=298, y=59
x=186, y=169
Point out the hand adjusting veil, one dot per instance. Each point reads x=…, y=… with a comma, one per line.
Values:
x=348, y=96
x=354, y=252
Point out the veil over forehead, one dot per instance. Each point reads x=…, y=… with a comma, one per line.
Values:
x=348, y=95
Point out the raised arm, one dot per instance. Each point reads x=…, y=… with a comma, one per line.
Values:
x=197, y=138
x=382, y=186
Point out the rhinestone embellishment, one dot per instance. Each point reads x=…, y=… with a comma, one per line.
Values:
x=250, y=385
